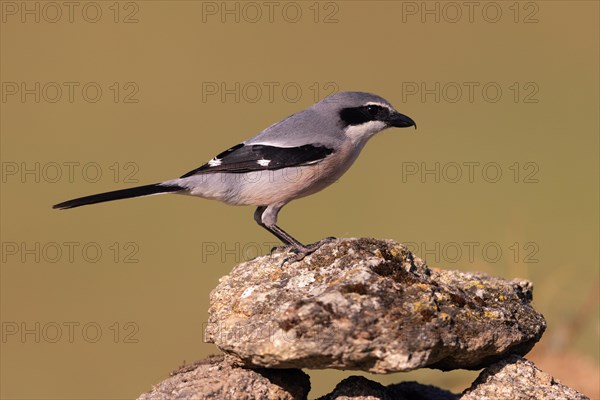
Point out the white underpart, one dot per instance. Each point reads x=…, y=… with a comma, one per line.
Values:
x=364, y=131
x=215, y=162
x=263, y=162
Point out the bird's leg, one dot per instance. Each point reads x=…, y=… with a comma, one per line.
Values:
x=267, y=221
x=286, y=238
x=266, y=216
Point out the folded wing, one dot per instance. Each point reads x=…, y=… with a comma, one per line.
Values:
x=258, y=157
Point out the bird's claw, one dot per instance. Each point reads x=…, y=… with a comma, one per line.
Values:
x=300, y=254
x=283, y=249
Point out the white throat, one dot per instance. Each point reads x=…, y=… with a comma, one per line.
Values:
x=363, y=132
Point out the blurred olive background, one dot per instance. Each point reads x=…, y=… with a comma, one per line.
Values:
x=104, y=301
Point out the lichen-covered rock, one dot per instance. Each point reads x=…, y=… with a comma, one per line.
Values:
x=361, y=388
x=516, y=378
x=369, y=305
x=213, y=378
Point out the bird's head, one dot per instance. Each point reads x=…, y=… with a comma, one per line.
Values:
x=362, y=115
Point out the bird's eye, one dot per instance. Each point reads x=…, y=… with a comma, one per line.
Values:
x=373, y=110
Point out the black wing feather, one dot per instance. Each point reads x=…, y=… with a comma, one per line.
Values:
x=245, y=158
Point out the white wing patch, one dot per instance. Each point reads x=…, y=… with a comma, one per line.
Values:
x=215, y=162
x=263, y=162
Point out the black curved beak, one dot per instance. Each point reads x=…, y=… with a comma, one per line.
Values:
x=401, y=121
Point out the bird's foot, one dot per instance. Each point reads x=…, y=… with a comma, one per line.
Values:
x=280, y=249
x=301, y=253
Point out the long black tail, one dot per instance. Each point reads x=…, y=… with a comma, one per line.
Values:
x=118, y=195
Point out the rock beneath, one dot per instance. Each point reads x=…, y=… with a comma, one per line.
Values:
x=357, y=388
x=370, y=305
x=213, y=378
x=417, y=391
x=518, y=379
x=513, y=378
x=361, y=388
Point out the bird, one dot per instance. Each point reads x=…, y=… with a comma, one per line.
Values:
x=293, y=158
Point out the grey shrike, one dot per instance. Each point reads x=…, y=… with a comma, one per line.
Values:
x=293, y=158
